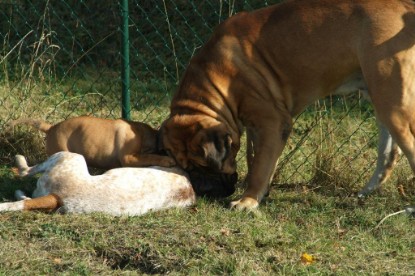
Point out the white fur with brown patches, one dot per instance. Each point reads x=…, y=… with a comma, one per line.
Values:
x=67, y=184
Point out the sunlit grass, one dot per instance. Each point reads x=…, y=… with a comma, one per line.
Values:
x=312, y=207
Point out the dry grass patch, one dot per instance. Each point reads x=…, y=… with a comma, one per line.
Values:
x=312, y=208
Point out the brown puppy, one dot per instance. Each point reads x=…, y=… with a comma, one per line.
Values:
x=104, y=143
x=260, y=69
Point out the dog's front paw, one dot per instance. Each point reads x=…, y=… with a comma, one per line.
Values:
x=167, y=161
x=245, y=203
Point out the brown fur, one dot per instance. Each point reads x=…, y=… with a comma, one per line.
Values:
x=49, y=202
x=104, y=143
x=260, y=69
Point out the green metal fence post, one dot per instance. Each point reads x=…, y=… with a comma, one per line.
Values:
x=125, y=62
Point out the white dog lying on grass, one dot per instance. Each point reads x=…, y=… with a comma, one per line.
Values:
x=67, y=186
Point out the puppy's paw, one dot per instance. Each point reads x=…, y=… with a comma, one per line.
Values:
x=245, y=203
x=167, y=161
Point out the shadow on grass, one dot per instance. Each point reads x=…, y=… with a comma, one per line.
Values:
x=12, y=142
x=9, y=183
x=144, y=259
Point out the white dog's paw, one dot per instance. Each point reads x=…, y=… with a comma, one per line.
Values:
x=245, y=203
x=21, y=164
x=410, y=210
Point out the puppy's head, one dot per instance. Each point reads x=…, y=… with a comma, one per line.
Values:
x=200, y=141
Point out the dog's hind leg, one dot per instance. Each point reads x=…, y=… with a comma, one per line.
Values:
x=12, y=206
x=21, y=164
x=47, y=203
x=392, y=90
x=20, y=195
x=25, y=170
x=388, y=153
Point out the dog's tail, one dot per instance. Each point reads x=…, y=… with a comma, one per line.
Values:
x=35, y=123
x=47, y=203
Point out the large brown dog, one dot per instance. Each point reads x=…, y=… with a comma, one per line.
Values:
x=104, y=143
x=261, y=69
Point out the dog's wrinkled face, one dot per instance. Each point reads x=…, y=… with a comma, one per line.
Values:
x=199, y=144
x=205, y=149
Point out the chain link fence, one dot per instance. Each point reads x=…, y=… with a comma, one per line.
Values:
x=62, y=58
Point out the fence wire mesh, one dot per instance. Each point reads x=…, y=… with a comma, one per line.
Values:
x=61, y=58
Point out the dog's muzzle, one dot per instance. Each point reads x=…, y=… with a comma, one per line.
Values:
x=212, y=185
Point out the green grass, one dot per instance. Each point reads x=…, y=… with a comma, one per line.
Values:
x=210, y=239
x=312, y=207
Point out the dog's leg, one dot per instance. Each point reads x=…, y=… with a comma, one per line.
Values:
x=250, y=134
x=20, y=195
x=12, y=206
x=48, y=203
x=392, y=91
x=21, y=164
x=388, y=153
x=404, y=134
x=145, y=160
x=268, y=142
x=249, y=147
x=25, y=170
x=249, y=151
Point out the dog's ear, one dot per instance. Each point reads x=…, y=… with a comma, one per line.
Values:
x=215, y=146
x=172, y=141
x=194, y=140
x=217, y=149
